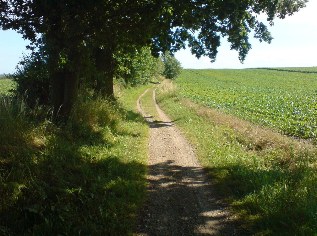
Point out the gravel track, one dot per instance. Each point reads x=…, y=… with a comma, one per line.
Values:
x=181, y=201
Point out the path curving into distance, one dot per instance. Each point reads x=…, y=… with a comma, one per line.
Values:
x=180, y=199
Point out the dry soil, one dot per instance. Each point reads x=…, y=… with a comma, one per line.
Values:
x=181, y=200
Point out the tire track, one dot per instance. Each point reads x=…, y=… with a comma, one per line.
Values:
x=180, y=199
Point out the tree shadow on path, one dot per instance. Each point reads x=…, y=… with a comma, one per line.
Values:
x=181, y=202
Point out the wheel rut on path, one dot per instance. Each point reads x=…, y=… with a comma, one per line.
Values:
x=180, y=199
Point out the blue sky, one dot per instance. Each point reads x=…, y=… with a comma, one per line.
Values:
x=11, y=48
x=294, y=45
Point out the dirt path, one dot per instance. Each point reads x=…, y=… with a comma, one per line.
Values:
x=180, y=199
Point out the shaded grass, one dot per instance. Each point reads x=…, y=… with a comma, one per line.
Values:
x=271, y=186
x=87, y=177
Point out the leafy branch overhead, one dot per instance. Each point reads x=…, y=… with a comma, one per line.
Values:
x=76, y=33
x=164, y=24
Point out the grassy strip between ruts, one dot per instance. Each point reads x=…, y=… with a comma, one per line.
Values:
x=87, y=178
x=269, y=179
x=148, y=105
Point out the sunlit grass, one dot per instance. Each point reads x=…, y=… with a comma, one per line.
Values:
x=148, y=105
x=268, y=179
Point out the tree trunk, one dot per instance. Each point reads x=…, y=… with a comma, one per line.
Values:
x=64, y=77
x=58, y=85
x=104, y=85
x=105, y=65
x=70, y=92
x=64, y=93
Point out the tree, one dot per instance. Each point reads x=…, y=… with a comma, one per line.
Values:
x=172, y=66
x=82, y=32
x=138, y=67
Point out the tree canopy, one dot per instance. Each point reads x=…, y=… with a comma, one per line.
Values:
x=80, y=34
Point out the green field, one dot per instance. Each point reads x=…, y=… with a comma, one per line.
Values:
x=308, y=70
x=6, y=85
x=281, y=98
x=268, y=179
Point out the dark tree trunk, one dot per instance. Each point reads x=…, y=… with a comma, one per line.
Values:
x=70, y=92
x=105, y=65
x=64, y=78
x=104, y=85
x=58, y=84
x=64, y=93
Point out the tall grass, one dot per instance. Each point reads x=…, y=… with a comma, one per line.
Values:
x=269, y=179
x=87, y=177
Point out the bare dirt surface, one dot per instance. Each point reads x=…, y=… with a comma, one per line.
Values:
x=180, y=200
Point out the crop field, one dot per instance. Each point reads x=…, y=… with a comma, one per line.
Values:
x=308, y=70
x=281, y=98
x=5, y=86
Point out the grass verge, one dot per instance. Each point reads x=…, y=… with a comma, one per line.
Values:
x=269, y=179
x=85, y=178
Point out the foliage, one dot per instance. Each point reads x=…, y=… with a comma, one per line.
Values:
x=269, y=179
x=87, y=177
x=172, y=66
x=32, y=80
x=138, y=67
x=168, y=24
x=6, y=86
x=284, y=100
x=76, y=32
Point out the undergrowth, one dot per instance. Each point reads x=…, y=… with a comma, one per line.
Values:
x=84, y=178
x=270, y=186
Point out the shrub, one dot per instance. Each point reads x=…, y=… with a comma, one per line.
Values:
x=138, y=67
x=33, y=80
x=172, y=66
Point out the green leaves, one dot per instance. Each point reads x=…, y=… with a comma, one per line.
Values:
x=172, y=66
x=72, y=30
x=138, y=66
x=109, y=23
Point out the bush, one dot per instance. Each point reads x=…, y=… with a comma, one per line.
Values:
x=138, y=67
x=33, y=80
x=172, y=66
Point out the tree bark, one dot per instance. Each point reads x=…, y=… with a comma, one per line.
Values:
x=64, y=94
x=70, y=92
x=58, y=85
x=105, y=65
